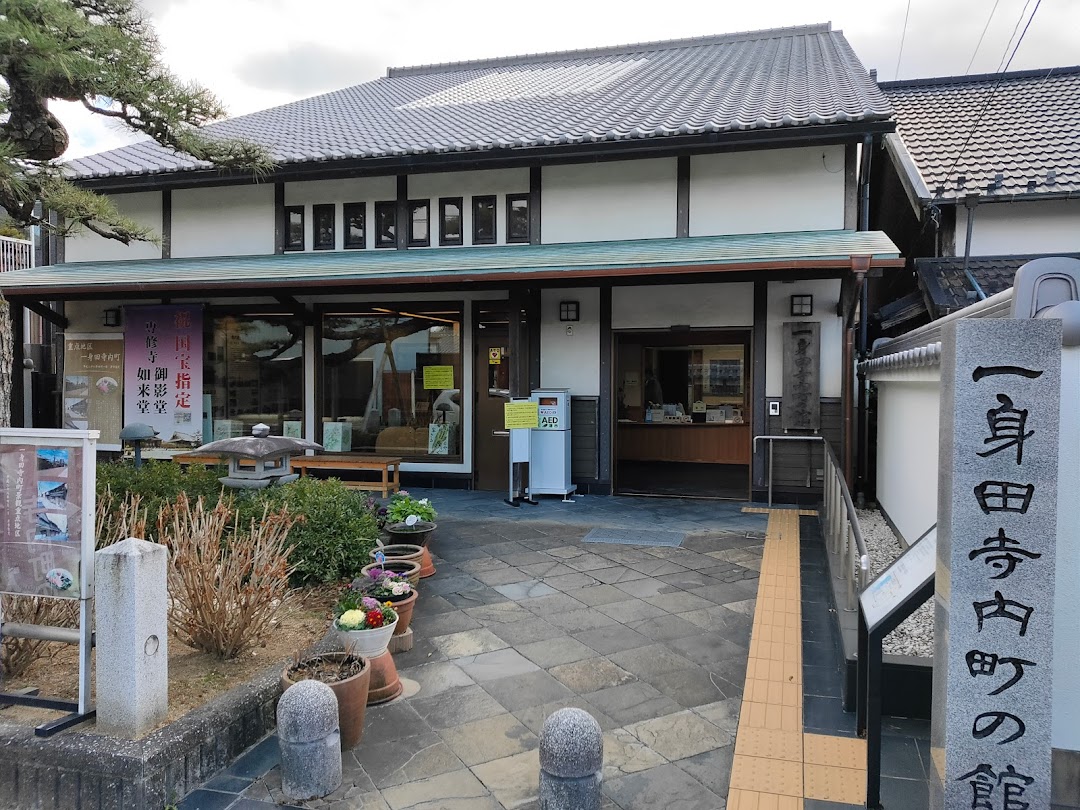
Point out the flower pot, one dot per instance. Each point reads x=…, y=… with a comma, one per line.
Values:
x=367, y=643
x=352, y=698
x=407, y=568
x=399, y=551
x=404, y=606
x=419, y=533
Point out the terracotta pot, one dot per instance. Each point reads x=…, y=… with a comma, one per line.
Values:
x=404, y=607
x=420, y=533
x=368, y=643
x=410, y=569
x=352, y=698
x=399, y=551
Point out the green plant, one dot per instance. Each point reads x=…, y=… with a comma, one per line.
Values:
x=403, y=505
x=225, y=595
x=335, y=534
x=377, y=583
x=370, y=615
x=158, y=483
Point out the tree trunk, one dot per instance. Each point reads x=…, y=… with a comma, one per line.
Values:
x=7, y=360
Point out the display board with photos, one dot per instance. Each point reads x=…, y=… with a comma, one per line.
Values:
x=47, y=480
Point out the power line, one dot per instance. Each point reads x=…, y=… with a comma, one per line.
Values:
x=903, y=36
x=1016, y=27
x=981, y=36
x=997, y=84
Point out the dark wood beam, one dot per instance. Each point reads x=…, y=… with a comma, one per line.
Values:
x=279, y=217
x=401, y=224
x=682, y=197
x=605, y=423
x=53, y=317
x=166, y=223
x=535, y=183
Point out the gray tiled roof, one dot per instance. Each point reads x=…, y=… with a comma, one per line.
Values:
x=787, y=77
x=948, y=289
x=1030, y=131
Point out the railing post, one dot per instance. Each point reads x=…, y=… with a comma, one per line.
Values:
x=770, y=471
x=850, y=565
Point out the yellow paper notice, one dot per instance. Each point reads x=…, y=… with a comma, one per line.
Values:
x=438, y=377
x=521, y=415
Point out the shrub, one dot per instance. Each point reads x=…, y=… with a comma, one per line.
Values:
x=158, y=483
x=224, y=595
x=336, y=532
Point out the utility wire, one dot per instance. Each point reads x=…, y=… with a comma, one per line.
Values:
x=903, y=36
x=981, y=36
x=997, y=84
x=1016, y=27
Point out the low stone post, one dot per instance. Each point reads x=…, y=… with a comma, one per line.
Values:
x=131, y=605
x=310, y=740
x=571, y=761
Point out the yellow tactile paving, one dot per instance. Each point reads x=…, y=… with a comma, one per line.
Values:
x=776, y=764
x=824, y=782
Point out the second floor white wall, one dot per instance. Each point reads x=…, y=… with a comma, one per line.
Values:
x=762, y=191
x=1051, y=226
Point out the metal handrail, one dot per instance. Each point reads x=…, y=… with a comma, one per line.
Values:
x=839, y=519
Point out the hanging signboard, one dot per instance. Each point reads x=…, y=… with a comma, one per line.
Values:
x=163, y=372
x=93, y=385
x=47, y=480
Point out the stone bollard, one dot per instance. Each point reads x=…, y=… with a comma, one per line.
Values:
x=131, y=605
x=571, y=761
x=310, y=741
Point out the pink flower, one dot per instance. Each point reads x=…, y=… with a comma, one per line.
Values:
x=368, y=603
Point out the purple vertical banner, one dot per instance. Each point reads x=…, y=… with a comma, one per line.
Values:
x=163, y=372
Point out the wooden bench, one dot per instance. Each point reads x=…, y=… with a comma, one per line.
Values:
x=342, y=461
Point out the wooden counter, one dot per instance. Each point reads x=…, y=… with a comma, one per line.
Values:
x=709, y=442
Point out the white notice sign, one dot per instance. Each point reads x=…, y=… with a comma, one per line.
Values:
x=908, y=572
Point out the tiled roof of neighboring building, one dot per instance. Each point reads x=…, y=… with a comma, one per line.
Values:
x=785, y=77
x=1027, y=140
x=947, y=289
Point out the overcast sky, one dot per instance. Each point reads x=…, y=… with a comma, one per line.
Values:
x=260, y=53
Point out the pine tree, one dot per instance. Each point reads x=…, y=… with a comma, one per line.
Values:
x=105, y=55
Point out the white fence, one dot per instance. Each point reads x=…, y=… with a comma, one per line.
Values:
x=15, y=254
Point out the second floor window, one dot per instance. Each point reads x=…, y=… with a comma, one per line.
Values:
x=323, y=230
x=419, y=219
x=294, y=227
x=517, y=217
x=386, y=224
x=483, y=224
x=355, y=226
x=450, y=231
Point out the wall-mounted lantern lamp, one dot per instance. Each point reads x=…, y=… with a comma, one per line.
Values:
x=802, y=305
x=569, y=311
x=111, y=317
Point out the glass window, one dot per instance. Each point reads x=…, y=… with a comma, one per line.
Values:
x=677, y=377
x=418, y=223
x=517, y=217
x=355, y=221
x=294, y=227
x=385, y=224
x=322, y=218
x=392, y=375
x=254, y=372
x=450, y=221
x=483, y=220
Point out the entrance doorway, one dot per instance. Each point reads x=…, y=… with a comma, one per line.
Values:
x=491, y=372
x=683, y=413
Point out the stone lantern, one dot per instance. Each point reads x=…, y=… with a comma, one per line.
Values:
x=268, y=458
x=135, y=434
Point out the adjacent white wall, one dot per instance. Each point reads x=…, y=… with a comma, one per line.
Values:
x=570, y=360
x=695, y=305
x=826, y=294
x=223, y=221
x=626, y=199
x=144, y=207
x=770, y=190
x=1051, y=226
x=908, y=414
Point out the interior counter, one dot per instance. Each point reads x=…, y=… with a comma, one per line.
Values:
x=707, y=442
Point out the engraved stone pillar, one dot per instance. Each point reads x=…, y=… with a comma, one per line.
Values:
x=131, y=603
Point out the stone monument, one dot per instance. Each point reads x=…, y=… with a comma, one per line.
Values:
x=997, y=524
x=131, y=606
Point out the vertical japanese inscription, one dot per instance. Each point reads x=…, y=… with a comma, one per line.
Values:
x=802, y=386
x=997, y=526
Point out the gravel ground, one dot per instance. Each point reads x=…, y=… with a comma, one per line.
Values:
x=916, y=635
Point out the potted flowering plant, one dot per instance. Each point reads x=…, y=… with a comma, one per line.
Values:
x=367, y=628
x=385, y=587
x=408, y=521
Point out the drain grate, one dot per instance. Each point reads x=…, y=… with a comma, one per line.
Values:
x=635, y=537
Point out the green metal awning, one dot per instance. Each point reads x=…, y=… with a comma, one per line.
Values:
x=322, y=271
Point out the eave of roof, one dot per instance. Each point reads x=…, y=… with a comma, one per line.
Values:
x=324, y=271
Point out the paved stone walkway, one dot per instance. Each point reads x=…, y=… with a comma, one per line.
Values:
x=524, y=618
